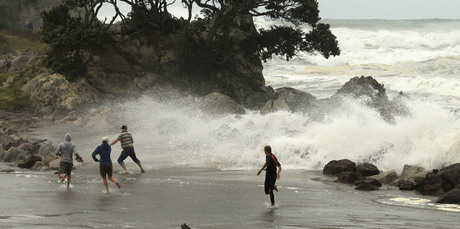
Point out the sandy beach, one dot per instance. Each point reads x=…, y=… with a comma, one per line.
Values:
x=206, y=198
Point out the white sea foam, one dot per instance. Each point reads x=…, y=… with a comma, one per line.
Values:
x=172, y=135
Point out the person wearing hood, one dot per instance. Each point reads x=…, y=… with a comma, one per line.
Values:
x=105, y=163
x=66, y=150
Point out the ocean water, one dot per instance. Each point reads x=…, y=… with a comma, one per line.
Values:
x=201, y=167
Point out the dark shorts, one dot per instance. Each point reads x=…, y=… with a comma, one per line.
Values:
x=106, y=170
x=127, y=152
x=270, y=180
x=66, y=168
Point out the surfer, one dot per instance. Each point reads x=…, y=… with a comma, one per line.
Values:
x=66, y=150
x=271, y=164
x=126, y=141
x=105, y=163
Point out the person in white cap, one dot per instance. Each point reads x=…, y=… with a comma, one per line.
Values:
x=105, y=163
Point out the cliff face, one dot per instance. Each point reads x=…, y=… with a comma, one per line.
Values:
x=28, y=11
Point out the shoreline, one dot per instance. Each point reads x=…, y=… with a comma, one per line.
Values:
x=206, y=198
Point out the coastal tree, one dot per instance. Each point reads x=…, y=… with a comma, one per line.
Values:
x=284, y=40
x=70, y=29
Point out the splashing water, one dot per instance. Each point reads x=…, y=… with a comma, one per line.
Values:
x=177, y=133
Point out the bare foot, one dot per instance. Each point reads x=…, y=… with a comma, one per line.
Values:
x=276, y=188
x=118, y=185
x=142, y=171
x=107, y=193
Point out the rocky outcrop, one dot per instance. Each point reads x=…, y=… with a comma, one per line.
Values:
x=54, y=97
x=371, y=91
x=335, y=167
x=348, y=173
x=388, y=177
x=451, y=197
x=290, y=99
x=216, y=103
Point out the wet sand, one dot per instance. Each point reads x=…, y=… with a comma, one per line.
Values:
x=205, y=198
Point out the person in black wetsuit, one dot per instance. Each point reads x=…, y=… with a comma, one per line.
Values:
x=271, y=163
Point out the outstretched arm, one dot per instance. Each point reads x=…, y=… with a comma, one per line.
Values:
x=114, y=141
x=263, y=167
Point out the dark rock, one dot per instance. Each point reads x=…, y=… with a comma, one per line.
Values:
x=452, y=197
x=451, y=174
x=347, y=177
x=185, y=226
x=30, y=161
x=290, y=99
x=364, y=186
x=432, y=190
x=335, y=167
x=367, y=169
x=406, y=185
x=368, y=87
x=388, y=177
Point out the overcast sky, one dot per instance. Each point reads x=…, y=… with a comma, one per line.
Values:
x=367, y=9
x=389, y=9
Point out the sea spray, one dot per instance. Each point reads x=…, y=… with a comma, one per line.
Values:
x=178, y=133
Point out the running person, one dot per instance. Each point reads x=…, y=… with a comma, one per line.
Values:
x=126, y=141
x=105, y=163
x=271, y=162
x=66, y=150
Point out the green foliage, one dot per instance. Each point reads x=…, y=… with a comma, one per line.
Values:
x=71, y=66
x=146, y=21
x=3, y=44
x=69, y=36
x=12, y=98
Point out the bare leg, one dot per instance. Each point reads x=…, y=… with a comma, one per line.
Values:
x=124, y=168
x=105, y=184
x=140, y=166
x=62, y=176
x=68, y=182
x=114, y=181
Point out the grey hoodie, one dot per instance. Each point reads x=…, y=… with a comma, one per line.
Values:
x=66, y=150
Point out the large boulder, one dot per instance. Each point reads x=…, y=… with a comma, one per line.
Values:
x=451, y=197
x=335, y=167
x=48, y=158
x=347, y=177
x=367, y=169
x=368, y=185
x=54, y=164
x=410, y=172
x=290, y=99
x=46, y=148
x=451, y=174
x=369, y=88
x=216, y=103
x=388, y=177
x=54, y=96
x=30, y=161
x=38, y=165
x=14, y=154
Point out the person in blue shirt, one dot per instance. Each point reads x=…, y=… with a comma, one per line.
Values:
x=105, y=162
x=271, y=175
